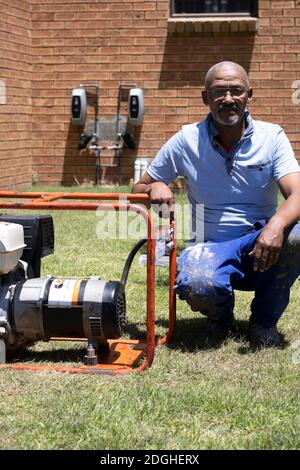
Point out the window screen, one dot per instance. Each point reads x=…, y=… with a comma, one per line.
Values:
x=215, y=7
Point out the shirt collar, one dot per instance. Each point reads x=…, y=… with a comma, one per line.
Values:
x=213, y=131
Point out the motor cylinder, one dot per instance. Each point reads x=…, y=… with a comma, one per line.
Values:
x=74, y=308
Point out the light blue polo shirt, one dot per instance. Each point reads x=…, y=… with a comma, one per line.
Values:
x=237, y=188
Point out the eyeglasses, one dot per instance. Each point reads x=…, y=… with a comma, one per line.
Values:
x=218, y=93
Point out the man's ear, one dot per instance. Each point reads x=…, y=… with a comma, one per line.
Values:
x=250, y=94
x=204, y=97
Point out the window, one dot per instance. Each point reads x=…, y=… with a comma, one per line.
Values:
x=214, y=7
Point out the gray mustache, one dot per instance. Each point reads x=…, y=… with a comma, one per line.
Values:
x=229, y=108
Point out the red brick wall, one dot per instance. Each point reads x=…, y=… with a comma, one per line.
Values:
x=109, y=41
x=15, y=73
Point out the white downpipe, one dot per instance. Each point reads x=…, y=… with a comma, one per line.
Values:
x=137, y=170
x=140, y=167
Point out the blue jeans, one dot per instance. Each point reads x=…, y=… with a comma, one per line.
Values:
x=208, y=274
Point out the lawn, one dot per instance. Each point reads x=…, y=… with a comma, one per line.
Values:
x=198, y=394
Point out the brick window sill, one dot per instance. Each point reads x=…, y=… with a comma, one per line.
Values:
x=212, y=25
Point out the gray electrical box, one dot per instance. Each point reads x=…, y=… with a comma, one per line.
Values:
x=136, y=106
x=78, y=106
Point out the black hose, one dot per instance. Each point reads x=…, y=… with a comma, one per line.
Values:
x=130, y=258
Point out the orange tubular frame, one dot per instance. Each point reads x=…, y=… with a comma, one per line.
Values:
x=129, y=202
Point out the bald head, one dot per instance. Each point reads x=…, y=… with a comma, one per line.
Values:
x=226, y=68
x=227, y=93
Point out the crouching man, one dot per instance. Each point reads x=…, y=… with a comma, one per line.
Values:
x=234, y=166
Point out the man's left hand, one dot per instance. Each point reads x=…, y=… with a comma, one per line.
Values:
x=267, y=247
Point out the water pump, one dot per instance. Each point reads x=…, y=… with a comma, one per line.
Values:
x=34, y=308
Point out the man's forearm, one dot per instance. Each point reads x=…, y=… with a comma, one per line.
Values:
x=288, y=213
x=269, y=243
x=141, y=188
x=159, y=192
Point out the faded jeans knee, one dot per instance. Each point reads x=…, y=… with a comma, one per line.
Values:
x=208, y=296
x=202, y=292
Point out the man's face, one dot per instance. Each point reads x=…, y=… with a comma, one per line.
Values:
x=227, y=96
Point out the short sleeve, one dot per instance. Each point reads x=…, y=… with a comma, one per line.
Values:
x=167, y=165
x=284, y=157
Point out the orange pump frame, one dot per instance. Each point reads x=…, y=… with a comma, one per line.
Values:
x=124, y=354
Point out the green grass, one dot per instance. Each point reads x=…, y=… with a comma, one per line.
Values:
x=198, y=394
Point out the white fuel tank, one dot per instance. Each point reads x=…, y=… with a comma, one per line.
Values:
x=11, y=246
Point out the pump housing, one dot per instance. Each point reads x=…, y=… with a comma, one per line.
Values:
x=34, y=308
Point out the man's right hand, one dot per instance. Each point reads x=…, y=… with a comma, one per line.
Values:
x=161, y=197
x=160, y=193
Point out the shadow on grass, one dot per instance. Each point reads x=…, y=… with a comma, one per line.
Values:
x=65, y=355
x=251, y=349
x=191, y=334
